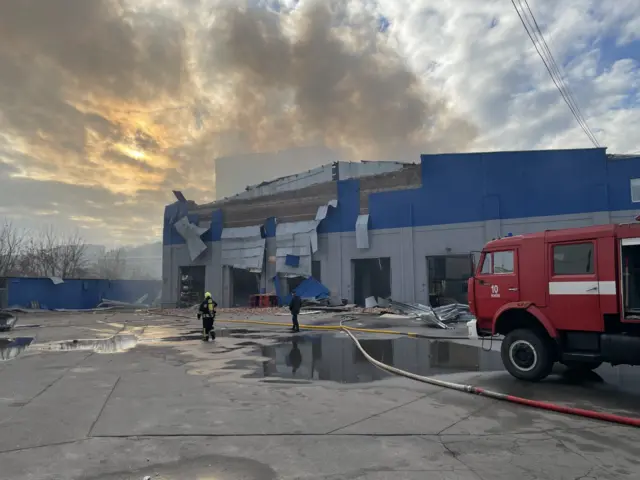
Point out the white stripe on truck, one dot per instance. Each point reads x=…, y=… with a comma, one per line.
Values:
x=582, y=288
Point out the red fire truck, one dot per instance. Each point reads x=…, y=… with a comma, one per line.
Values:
x=570, y=296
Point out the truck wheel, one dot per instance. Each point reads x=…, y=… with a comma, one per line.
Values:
x=527, y=355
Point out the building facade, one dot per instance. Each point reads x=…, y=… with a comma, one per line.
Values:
x=409, y=232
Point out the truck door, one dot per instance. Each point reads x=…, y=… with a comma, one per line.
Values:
x=574, y=289
x=497, y=282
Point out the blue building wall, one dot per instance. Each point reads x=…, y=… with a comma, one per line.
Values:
x=473, y=187
x=78, y=294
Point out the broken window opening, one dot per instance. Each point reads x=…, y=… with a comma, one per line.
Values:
x=294, y=282
x=191, y=286
x=316, y=270
x=244, y=284
x=371, y=278
x=447, y=277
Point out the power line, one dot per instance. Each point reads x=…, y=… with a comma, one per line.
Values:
x=537, y=38
x=568, y=89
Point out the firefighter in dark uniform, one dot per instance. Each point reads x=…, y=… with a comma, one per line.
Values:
x=208, y=313
x=294, y=306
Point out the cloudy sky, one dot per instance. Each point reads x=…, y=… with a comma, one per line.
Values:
x=107, y=105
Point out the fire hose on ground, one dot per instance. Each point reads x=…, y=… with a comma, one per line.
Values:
x=470, y=389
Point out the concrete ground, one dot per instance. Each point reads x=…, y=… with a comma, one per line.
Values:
x=156, y=401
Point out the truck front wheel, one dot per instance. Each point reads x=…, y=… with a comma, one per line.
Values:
x=527, y=355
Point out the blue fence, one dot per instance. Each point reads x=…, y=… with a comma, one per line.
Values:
x=78, y=294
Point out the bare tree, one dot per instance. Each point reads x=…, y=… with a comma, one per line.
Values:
x=112, y=265
x=11, y=243
x=49, y=254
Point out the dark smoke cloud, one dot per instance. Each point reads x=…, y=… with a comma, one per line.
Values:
x=73, y=71
x=98, y=43
x=340, y=86
x=89, y=90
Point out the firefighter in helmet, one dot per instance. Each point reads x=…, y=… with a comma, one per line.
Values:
x=207, y=312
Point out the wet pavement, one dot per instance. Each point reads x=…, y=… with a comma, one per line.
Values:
x=334, y=357
x=134, y=395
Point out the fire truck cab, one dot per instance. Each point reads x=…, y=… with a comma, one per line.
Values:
x=570, y=296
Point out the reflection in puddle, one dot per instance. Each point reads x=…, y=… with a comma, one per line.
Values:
x=115, y=344
x=10, y=348
x=336, y=358
x=192, y=335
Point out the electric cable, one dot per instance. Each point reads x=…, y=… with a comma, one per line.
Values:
x=556, y=68
x=557, y=81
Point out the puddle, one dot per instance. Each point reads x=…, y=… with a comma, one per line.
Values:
x=115, y=344
x=10, y=348
x=336, y=358
x=192, y=335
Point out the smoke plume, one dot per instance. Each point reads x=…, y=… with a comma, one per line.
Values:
x=137, y=98
x=305, y=78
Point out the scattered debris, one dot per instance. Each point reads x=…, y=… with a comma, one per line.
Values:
x=106, y=303
x=312, y=292
x=304, y=312
x=440, y=317
x=370, y=302
x=7, y=321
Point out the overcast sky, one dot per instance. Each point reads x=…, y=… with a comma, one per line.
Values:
x=106, y=106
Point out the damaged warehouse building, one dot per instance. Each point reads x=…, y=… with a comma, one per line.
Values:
x=409, y=232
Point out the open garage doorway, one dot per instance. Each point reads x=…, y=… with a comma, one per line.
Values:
x=371, y=278
x=316, y=273
x=244, y=284
x=448, y=276
x=191, y=286
x=294, y=282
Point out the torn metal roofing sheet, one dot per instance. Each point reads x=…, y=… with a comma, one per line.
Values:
x=362, y=232
x=243, y=248
x=299, y=239
x=191, y=233
x=323, y=211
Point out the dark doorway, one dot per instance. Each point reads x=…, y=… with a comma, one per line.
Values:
x=294, y=282
x=316, y=270
x=244, y=284
x=447, y=277
x=191, y=285
x=371, y=278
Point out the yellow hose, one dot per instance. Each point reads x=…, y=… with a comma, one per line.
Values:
x=328, y=327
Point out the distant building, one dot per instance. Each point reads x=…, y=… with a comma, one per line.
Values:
x=385, y=229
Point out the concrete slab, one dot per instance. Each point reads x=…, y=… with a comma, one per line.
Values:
x=177, y=404
x=63, y=412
